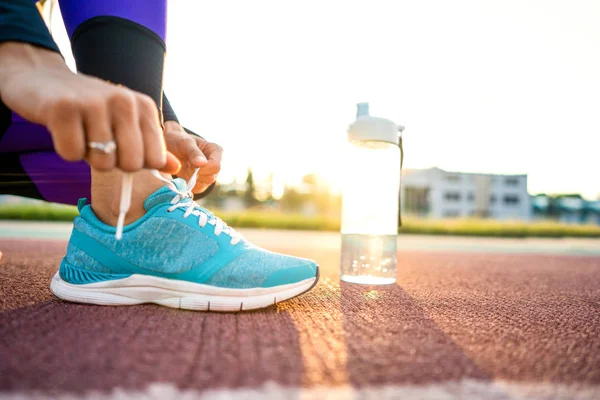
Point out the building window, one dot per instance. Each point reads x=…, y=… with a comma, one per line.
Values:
x=512, y=181
x=452, y=196
x=511, y=199
x=416, y=200
x=493, y=199
x=453, y=178
x=451, y=213
x=471, y=196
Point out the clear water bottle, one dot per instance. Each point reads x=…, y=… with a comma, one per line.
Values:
x=370, y=200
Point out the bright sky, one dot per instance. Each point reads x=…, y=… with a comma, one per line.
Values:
x=481, y=86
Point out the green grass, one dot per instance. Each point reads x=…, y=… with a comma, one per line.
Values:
x=38, y=212
x=277, y=220
x=491, y=228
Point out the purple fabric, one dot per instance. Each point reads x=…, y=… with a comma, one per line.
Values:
x=57, y=180
x=23, y=135
x=151, y=14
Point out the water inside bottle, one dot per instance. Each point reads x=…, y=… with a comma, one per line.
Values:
x=368, y=259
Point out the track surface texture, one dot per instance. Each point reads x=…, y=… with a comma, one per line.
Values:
x=456, y=325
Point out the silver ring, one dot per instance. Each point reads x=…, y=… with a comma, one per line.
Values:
x=105, y=147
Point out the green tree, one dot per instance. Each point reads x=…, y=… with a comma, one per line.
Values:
x=249, y=194
x=292, y=200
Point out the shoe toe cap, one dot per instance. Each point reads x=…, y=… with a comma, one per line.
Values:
x=306, y=269
x=262, y=268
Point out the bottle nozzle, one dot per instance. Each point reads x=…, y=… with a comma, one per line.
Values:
x=362, y=110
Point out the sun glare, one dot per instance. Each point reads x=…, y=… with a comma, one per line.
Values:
x=278, y=96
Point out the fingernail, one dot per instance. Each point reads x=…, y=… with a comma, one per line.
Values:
x=199, y=159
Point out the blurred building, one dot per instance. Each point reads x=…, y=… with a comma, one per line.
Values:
x=593, y=215
x=437, y=193
x=566, y=208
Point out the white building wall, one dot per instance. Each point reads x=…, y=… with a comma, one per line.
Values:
x=502, y=189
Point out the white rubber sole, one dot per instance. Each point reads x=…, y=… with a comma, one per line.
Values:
x=139, y=289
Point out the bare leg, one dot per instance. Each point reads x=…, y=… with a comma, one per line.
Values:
x=106, y=193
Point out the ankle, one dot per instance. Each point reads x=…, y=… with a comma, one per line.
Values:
x=106, y=195
x=109, y=214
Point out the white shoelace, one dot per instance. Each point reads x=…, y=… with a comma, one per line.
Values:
x=191, y=208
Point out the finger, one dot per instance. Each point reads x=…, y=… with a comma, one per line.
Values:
x=66, y=126
x=173, y=166
x=195, y=156
x=212, y=150
x=130, y=146
x=214, y=153
x=98, y=129
x=155, y=152
x=206, y=179
x=207, y=170
x=212, y=167
x=200, y=187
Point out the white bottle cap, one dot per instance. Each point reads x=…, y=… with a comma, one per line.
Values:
x=372, y=128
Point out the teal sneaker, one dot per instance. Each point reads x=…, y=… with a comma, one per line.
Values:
x=177, y=255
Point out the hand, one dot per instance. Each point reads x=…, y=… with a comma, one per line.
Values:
x=193, y=152
x=77, y=109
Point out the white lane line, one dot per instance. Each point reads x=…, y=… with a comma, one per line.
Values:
x=316, y=240
x=470, y=389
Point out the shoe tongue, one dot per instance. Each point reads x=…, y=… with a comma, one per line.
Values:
x=164, y=194
x=180, y=184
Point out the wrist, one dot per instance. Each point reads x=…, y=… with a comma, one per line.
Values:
x=172, y=126
x=16, y=57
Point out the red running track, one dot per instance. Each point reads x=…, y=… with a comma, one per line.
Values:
x=452, y=317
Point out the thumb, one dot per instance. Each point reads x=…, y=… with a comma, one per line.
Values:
x=195, y=156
